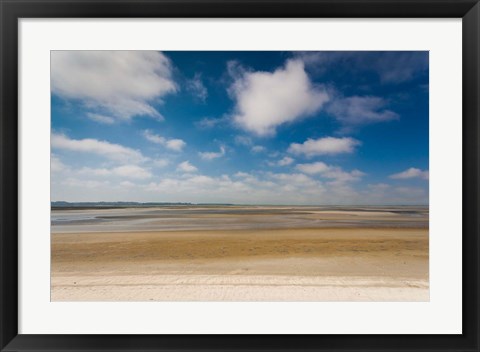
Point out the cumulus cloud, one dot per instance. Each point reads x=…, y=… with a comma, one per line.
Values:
x=160, y=162
x=69, y=182
x=105, y=149
x=131, y=171
x=339, y=176
x=121, y=83
x=83, y=183
x=313, y=168
x=242, y=188
x=331, y=172
x=378, y=187
x=266, y=100
x=213, y=155
x=293, y=179
x=242, y=174
x=107, y=120
x=411, y=173
x=196, y=87
x=360, y=110
x=282, y=162
x=175, y=144
x=56, y=165
x=285, y=161
x=126, y=171
x=382, y=193
x=154, y=138
x=186, y=167
x=172, y=144
x=324, y=146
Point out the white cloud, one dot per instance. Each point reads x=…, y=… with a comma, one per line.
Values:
x=293, y=178
x=197, y=88
x=121, y=83
x=318, y=59
x=175, y=144
x=313, y=168
x=241, y=188
x=107, y=120
x=213, y=155
x=282, y=162
x=132, y=171
x=244, y=188
x=56, y=165
x=103, y=148
x=186, y=167
x=154, y=138
x=257, y=149
x=360, y=110
x=386, y=194
x=172, y=144
x=378, y=187
x=331, y=172
x=242, y=174
x=324, y=146
x=265, y=100
x=340, y=176
x=160, y=162
x=411, y=173
x=94, y=172
x=83, y=183
x=285, y=161
x=125, y=171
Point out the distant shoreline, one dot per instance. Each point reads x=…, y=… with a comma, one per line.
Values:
x=120, y=205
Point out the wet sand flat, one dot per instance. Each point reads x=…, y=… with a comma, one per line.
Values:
x=251, y=264
x=179, y=218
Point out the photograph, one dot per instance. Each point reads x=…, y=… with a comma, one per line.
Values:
x=239, y=176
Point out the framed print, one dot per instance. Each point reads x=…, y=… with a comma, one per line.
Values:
x=239, y=175
x=237, y=221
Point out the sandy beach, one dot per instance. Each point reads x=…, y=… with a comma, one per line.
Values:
x=293, y=262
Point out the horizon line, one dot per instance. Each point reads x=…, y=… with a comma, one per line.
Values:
x=233, y=204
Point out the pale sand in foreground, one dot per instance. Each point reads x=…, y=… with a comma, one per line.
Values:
x=339, y=264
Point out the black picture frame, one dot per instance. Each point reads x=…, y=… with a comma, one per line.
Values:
x=12, y=10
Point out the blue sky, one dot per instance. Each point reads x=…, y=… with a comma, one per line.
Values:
x=240, y=127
